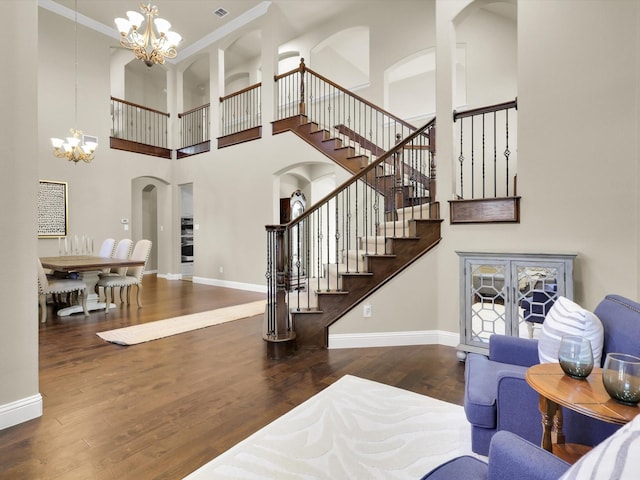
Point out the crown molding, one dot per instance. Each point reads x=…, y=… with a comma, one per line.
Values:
x=82, y=19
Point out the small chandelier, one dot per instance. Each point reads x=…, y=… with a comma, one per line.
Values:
x=148, y=46
x=76, y=148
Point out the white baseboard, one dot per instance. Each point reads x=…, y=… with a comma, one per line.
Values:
x=349, y=340
x=20, y=411
x=217, y=283
x=227, y=284
x=170, y=276
x=393, y=339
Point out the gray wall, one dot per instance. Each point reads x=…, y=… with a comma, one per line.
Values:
x=18, y=154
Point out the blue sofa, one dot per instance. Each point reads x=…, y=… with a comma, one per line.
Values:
x=497, y=397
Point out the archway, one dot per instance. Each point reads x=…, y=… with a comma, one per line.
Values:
x=344, y=57
x=151, y=218
x=150, y=222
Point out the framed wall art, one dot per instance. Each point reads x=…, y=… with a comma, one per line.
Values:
x=52, y=209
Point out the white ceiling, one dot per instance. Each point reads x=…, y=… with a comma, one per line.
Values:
x=196, y=22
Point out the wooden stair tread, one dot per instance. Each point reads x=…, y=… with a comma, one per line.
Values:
x=309, y=310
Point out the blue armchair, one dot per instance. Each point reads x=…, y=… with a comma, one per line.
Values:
x=497, y=397
x=510, y=457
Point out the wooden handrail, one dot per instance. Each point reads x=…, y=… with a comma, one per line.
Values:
x=141, y=106
x=240, y=92
x=491, y=108
x=206, y=105
x=303, y=69
x=286, y=74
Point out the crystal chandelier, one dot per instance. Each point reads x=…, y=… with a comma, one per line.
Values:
x=148, y=46
x=77, y=147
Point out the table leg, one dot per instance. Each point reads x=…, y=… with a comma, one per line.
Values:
x=548, y=410
x=93, y=302
x=557, y=427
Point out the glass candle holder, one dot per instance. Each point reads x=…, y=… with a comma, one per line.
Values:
x=621, y=377
x=575, y=356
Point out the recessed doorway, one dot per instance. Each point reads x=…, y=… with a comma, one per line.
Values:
x=186, y=231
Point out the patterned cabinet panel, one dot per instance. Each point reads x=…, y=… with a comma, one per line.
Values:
x=508, y=294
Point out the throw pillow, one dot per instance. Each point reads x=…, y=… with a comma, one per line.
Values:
x=568, y=318
x=616, y=458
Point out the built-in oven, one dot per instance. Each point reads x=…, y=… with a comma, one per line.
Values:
x=186, y=239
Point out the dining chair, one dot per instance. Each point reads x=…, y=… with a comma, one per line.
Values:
x=107, y=248
x=52, y=286
x=133, y=276
x=121, y=251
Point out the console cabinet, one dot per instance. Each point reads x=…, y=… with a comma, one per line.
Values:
x=508, y=294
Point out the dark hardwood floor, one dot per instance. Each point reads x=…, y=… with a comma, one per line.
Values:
x=161, y=409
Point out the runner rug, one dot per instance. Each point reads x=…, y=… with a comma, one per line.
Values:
x=146, y=332
x=353, y=429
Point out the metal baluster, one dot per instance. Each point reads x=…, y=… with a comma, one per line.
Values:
x=507, y=153
x=461, y=158
x=495, y=155
x=484, y=178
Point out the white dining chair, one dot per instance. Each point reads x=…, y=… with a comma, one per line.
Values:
x=133, y=276
x=122, y=251
x=107, y=248
x=52, y=286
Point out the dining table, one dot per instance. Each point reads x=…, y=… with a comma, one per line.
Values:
x=88, y=268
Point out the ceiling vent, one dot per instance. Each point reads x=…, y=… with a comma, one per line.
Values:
x=221, y=12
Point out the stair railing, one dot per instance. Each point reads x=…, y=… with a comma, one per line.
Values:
x=366, y=127
x=486, y=152
x=336, y=235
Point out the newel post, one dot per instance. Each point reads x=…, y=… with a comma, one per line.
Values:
x=278, y=331
x=303, y=69
x=432, y=166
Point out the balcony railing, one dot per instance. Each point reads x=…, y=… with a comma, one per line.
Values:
x=241, y=116
x=486, y=188
x=195, y=125
x=139, y=129
x=486, y=140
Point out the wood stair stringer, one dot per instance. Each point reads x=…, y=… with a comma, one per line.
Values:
x=323, y=141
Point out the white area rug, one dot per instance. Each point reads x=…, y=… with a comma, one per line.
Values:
x=354, y=429
x=172, y=326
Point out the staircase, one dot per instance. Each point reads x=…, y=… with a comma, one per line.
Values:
x=344, y=248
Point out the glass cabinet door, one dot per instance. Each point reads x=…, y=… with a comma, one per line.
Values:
x=536, y=286
x=486, y=293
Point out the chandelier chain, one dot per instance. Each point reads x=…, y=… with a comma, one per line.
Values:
x=77, y=147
